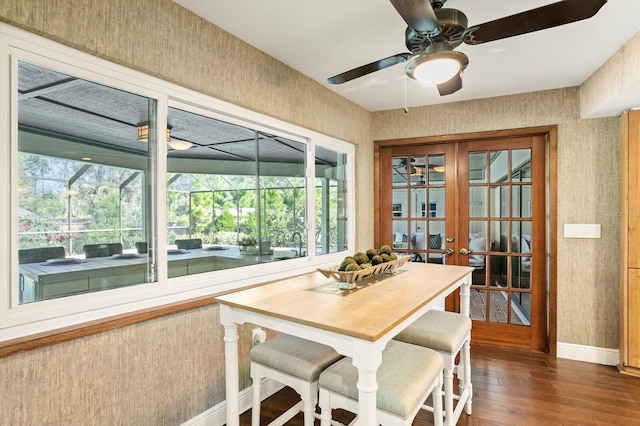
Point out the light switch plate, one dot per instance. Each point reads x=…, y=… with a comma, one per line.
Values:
x=582, y=230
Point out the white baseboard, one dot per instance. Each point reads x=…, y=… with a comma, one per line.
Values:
x=588, y=353
x=217, y=415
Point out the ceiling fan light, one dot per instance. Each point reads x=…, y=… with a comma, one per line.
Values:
x=437, y=67
x=179, y=145
x=436, y=71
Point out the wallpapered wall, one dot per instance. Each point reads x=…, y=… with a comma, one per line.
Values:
x=587, y=193
x=168, y=370
x=164, y=371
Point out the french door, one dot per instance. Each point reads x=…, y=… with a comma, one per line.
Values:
x=479, y=203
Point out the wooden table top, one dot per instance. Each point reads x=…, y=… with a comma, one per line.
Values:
x=368, y=312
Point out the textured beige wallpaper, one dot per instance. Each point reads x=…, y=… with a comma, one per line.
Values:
x=620, y=72
x=587, y=193
x=165, y=371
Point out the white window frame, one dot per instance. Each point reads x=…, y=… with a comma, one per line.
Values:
x=28, y=319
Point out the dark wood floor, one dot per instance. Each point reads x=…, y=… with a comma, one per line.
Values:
x=512, y=387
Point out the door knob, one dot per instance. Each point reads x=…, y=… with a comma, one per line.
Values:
x=464, y=251
x=448, y=252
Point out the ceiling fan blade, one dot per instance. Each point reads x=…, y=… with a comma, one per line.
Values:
x=451, y=86
x=418, y=14
x=549, y=16
x=369, y=68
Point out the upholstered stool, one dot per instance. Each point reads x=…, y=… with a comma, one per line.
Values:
x=448, y=333
x=294, y=362
x=406, y=377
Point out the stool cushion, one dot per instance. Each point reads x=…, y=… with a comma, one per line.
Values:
x=438, y=330
x=403, y=378
x=294, y=356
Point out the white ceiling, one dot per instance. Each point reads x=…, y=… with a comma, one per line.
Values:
x=324, y=38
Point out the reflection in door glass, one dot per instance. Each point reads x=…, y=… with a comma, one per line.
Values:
x=521, y=201
x=521, y=165
x=399, y=171
x=477, y=247
x=417, y=170
x=499, y=201
x=497, y=313
x=418, y=202
x=478, y=309
x=400, y=235
x=478, y=201
x=437, y=202
x=521, y=308
x=477, y=167
x=436, y=169
x=520, y=272
x=436, y=241
x=418, y=207
x=400, y=204
x=521, y=236
x=498, y=272
x=499, y=166
x=436, y=235
x=418, y=235
x=498, y=236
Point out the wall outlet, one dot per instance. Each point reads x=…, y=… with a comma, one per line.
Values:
x=258, y=336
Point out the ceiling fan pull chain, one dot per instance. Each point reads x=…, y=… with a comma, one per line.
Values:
x=406, y=110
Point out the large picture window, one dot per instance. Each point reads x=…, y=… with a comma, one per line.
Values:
x=129, y=192
x=82, y=174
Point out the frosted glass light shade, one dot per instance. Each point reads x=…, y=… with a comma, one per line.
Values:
x=437, y=67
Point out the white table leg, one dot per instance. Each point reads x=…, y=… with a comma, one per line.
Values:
x=465, y=296
x=367, y=357
x=466, y=359
x=465, y=356
x=231, y=368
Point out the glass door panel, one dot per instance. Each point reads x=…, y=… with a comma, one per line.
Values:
x=477, y=167
x=478, y=201
x=501, y=258
x=418, y=203
x=437, y=204
x=499, y=166
x=417, y=170
x=436, y=169
x=499, y=201
x=399, y=171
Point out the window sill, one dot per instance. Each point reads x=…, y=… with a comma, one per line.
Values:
x=52, y=337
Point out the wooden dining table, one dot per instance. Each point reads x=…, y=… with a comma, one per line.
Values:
x=357, y=323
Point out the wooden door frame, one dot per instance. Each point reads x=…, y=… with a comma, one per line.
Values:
x=550, y=134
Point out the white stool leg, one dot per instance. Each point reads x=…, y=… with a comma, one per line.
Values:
x=325, y=408
x=255, y=404
x=308, y=393
x=448, y=390
x=436, y=396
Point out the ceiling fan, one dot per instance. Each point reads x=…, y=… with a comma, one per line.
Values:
x=434, y=32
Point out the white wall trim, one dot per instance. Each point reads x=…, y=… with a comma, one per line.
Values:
x=217, y=415
x=591, y=354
